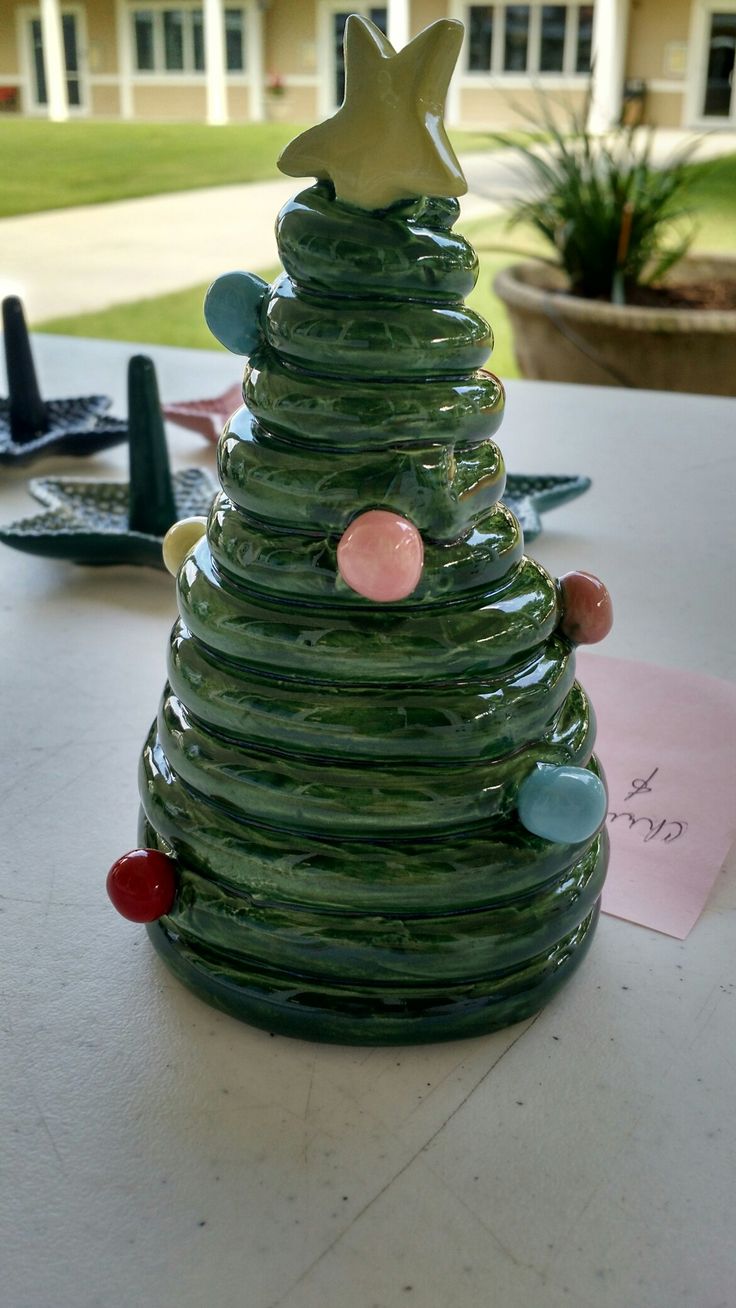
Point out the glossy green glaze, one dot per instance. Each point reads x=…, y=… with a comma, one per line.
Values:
x=409, y=253
x=370, y=415
x=401, y=340
x=285, y=563
x=336, y=778
x=293, y=487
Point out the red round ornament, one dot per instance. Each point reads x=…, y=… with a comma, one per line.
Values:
x=587, y=608
x=142, y=884
x=381, y=556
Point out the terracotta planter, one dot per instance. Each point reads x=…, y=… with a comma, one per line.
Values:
x=559, y=337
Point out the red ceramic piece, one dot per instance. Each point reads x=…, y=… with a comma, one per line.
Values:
x=142, y=885
x=207, y=417
x=381, y=556
x=587, y=608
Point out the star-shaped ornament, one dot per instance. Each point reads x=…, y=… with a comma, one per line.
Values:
x=106, y=522
x=529, y=495
x=32, y=428
x=387, y=142
x=207, y=417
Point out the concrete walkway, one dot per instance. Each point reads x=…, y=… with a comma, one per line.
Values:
x=70, y=261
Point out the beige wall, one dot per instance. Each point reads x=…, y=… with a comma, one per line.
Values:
x=297, y=105
x=291, y=49
x=8, y=41
x=105, y=100
x=493, y=108
x=652, y=24
x=663, y=109
x=101, y=36
x=424, y=12
x=290, y=41
x=169, y=102
x=238, y=103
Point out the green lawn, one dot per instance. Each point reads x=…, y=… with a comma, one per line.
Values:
x=53, y=165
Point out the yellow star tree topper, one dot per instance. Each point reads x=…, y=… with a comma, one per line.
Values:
x=387, y=141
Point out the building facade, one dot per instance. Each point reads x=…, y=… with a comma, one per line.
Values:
x=221, y=61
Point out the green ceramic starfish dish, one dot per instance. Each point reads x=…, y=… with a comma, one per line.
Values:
x=107, y=522
x=33, y=428
x=88, y=521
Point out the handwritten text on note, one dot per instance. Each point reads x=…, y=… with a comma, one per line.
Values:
x=666, y=742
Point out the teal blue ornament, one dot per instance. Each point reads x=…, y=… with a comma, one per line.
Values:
x=232, y=308
x=562, y=804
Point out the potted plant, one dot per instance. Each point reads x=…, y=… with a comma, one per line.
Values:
x=619, y=302
x=275, y=93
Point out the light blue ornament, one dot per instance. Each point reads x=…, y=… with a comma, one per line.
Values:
x=563, y=804
x=232, y=309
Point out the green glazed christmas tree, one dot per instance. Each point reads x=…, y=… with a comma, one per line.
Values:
x=371, y=812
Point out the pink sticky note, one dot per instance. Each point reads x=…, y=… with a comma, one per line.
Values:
x=666, y=742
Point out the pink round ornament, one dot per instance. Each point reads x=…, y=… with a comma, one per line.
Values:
x=587, y=608
x=381, y=556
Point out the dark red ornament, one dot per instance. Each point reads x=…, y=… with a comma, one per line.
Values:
x=587, y=608
x=142, y=884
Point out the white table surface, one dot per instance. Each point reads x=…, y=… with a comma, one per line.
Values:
x=160, y=1155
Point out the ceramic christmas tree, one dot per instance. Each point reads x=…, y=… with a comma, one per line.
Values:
x=370, y=807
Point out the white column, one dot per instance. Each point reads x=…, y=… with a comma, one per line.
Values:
x=453, y=114
x=254, y=47
x=123, y=27
x=53, y=61
x=398, y=23
x=610, y=26
x=214, y=61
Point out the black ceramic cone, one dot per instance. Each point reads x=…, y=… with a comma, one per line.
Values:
x=26, y=410
x=152, y=506
x=31, y=427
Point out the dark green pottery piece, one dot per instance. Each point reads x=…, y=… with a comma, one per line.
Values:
x=34, y=428
x=108, y=522
x=337, y=778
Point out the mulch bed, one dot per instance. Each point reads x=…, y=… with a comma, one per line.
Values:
x=686, y=295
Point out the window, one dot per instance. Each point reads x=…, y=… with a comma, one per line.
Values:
x=480, y=37
x=174, y=40
x=234, y=40
x=71, y=61
x=171, y=40
x=531, y=39
x=584, y=51
x=143, y=28
x=198, y=40
x=552, y=43
x=517, y=39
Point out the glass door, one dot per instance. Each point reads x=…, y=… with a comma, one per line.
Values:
x=74, y=84
x=378, y=15
x=718, y=100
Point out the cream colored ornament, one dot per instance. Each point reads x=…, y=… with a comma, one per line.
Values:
x=180, y=539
